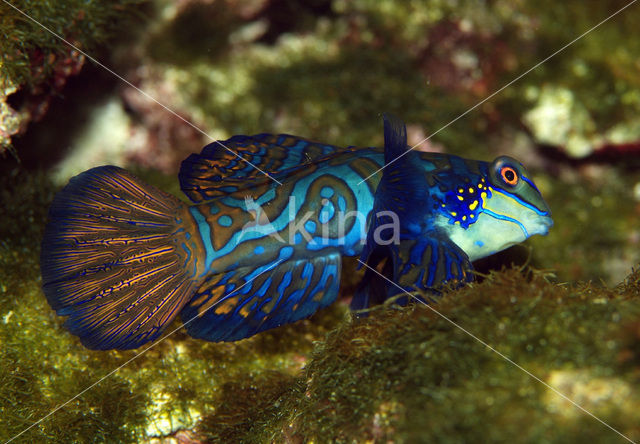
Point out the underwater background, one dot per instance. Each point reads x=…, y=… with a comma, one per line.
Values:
x=565, y=307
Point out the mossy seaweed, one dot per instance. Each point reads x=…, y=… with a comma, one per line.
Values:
x=35, y=63
x=28, y=52
x=410, y=375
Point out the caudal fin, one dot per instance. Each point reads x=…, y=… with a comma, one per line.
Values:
x=116, y=258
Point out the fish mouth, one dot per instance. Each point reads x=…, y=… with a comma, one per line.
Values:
x=541, y=225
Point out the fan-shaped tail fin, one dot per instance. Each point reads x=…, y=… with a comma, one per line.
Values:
x=118, y=258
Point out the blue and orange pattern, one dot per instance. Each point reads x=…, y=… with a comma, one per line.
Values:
x=122, y=259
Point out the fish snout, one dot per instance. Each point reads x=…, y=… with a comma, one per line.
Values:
x=541, y=225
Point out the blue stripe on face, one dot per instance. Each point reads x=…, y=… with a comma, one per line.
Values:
x=205, y=234
x=530, y=182
x=522, y=202
x=507, y=218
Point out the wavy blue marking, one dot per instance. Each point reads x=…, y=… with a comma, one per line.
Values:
x=307, y=271
x=421, y=276
x=214, y=209
x=342, y=204
x=350, y=244
x=266, y=196
x=332, y=270
x=246, y=288
x=205, y=235
x=479, y=243
x=310, y=226
x=508, y=219
x=286, y=252
x=263, y=289
x=243, y=301
x=432, y=265
x=523, y=203
x=326, y=192
x=284, y=283
x=530, y=182
x=415, y=255
x=326, y=213
x=258, y=250
x=188, y=251
x=225, y=220
x=297, y=238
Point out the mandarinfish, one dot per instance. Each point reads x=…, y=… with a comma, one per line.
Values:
x=261, y=245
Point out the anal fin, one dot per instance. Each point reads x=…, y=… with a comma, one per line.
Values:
x=246, y=301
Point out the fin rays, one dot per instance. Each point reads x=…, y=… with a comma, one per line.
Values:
x=110, y=259
x=215, y=171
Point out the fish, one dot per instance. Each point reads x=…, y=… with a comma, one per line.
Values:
x=261, y=242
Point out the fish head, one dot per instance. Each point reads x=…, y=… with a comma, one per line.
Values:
x=502, y=209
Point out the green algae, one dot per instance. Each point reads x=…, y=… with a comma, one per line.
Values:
x=35, y=64
x=27, y=46
x=409, y=375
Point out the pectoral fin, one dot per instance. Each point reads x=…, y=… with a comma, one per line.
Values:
x=410, y=254
x=425, y=264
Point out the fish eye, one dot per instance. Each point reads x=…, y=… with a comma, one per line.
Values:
x=509, y=175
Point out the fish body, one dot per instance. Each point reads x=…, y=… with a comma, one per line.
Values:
x=122, y=259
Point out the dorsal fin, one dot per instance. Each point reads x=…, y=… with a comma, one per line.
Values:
x=395, y=137
x=217, y=171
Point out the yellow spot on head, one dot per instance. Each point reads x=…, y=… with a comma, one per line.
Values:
x=473, y=205
x=484, y=195
x=457, y=222
x=454, y=214
x=480, y=186
x=464, y=217
x=471, y=190
x=460, y=198
x=472, y=216
x=460, y=190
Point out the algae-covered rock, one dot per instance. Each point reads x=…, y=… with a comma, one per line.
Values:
x=464, y=368
x=35, y=64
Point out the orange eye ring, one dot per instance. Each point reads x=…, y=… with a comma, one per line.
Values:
x=509, y=175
